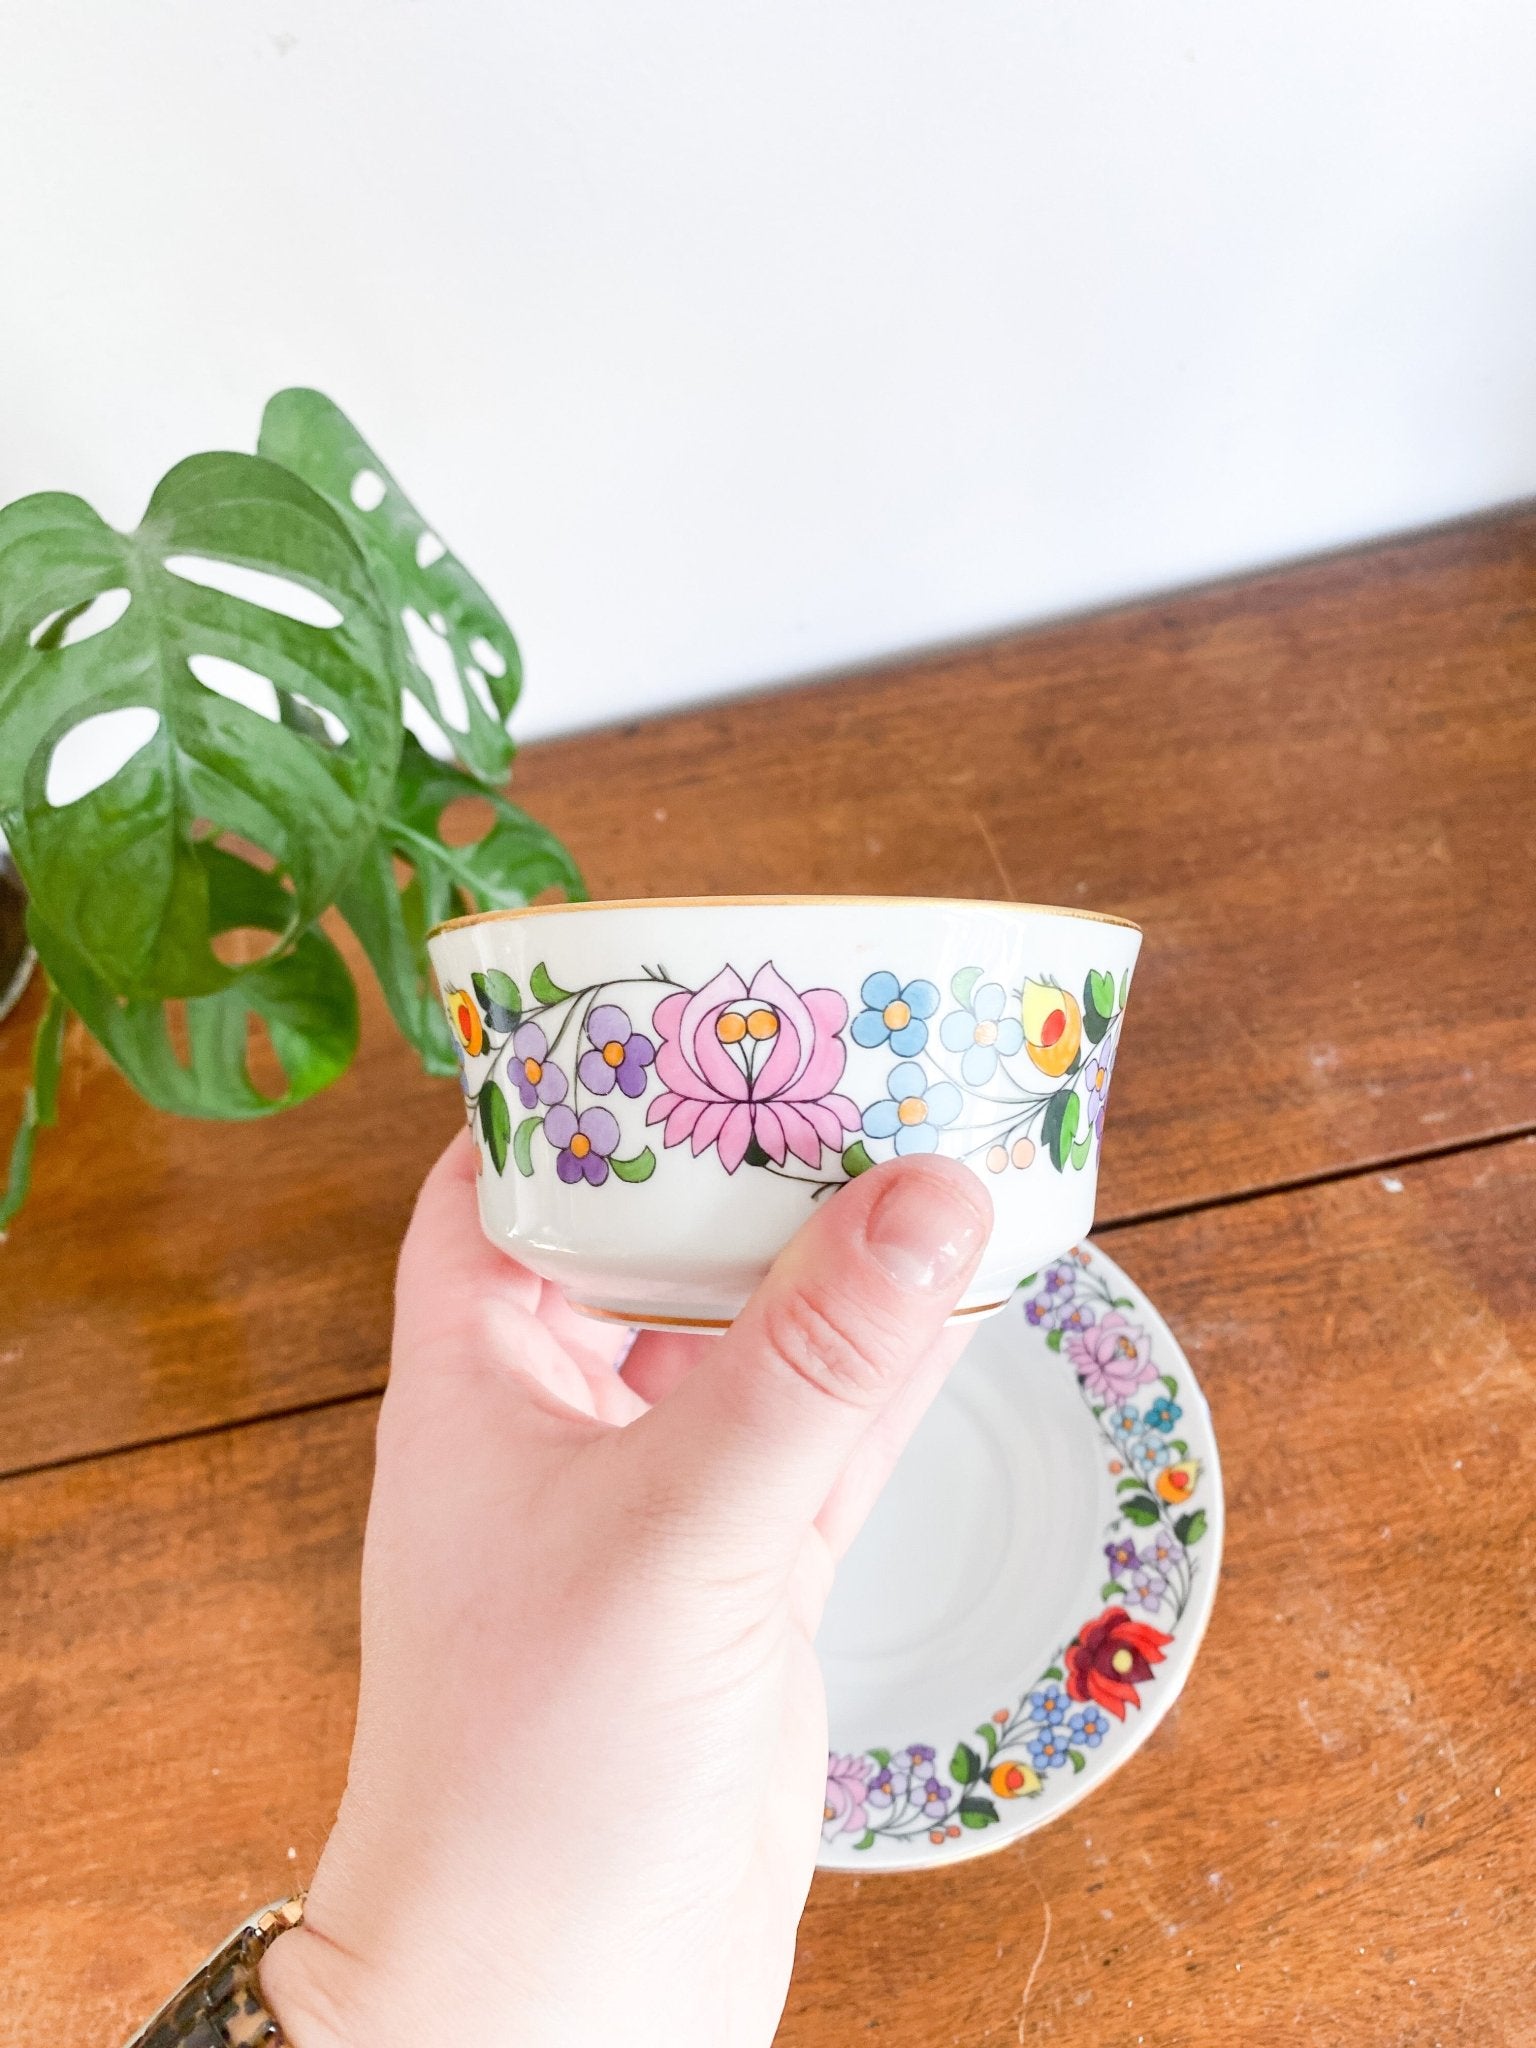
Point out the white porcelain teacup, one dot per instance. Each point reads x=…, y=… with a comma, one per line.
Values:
x=659, y=1091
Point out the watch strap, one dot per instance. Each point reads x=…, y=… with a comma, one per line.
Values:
x=221, y=2005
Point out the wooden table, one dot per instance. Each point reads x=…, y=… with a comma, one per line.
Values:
x=1317, y=791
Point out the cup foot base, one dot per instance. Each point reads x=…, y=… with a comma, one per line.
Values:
x=714, y=1326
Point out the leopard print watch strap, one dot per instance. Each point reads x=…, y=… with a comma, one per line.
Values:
x=222, y=2006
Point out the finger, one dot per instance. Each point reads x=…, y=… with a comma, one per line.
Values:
x=594, y=1348
x=662, y=1359
x=747, y=1449
x=446, y=1260
x=858, y=1486
x=461, y=1306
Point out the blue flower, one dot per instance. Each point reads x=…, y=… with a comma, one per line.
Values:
x=1048, y=1749
x=1151, y=1454
x=1163, y=1413
x=1048, y=1704
x=1124, y=1425
x=916, y=1111
x=981, y=1032
x=893, y=1015
x=1088, y=1727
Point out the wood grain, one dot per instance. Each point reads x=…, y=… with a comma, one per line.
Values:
x=1332, y=1838
x=1316, y=790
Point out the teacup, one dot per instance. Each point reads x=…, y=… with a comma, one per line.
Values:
x=660, y=1092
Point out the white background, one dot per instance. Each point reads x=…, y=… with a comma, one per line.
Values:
x=730, y=342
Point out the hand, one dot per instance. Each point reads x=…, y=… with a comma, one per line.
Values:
x=588, y=1775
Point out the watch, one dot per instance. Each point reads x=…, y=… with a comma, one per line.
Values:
x=220, y=2005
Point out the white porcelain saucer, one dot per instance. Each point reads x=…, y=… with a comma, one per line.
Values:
x=1025, y=1602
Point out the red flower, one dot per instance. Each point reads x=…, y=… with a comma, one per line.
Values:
x=1111, y=1657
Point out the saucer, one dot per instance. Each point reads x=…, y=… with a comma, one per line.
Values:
x=1026, y=1600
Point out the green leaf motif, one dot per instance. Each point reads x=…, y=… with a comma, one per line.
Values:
x=303, y=1000
x=1130, y=1486
x=1053, y=1340
x=962, y=984
x=1060, y=1126
x=856, y=1159
x=495, y=1123
x=1080, y=1151
x=1099, y=993
x=1111, y=1590
x=988, y=1733
x=1190, y=1528
x=1076, y=1759
x=965, y=1764
x=499, y=998
x=545, y=989
x=522, y=1143
x=977, y=1813
x=480, y=671
x=641, y=1167
x=866, y=1840
x=881, y=1756
x=1167, y=1378
x=1125, y=986
x=1142, y=1510
x=117, y=874
x=1053, y=1672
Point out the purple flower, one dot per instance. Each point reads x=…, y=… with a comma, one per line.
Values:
x=583, y=1142
x=1053, y=1308
x=1122, y=1556
x=1147, y=1588
x=1160, y=1551
x=1097, y=1073
x=538, y=1079
x=619, y=1053
x=843, y=1811
x=933, y=1795
x=889, y=1784
x=917, y=1755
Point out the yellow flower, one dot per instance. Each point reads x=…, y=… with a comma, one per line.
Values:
x=1013, y=1781
x=1177, y=1482
x=464, y=1018
x=1053, y=1026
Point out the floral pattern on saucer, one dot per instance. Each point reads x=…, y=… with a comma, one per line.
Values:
x=1048, y=1736
x=752, y=1072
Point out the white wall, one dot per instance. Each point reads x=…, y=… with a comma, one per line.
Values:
x=728, y=342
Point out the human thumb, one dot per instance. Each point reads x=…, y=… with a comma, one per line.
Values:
x=747, y=1449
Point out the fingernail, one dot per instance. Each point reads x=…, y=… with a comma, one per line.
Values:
x=927, y=1229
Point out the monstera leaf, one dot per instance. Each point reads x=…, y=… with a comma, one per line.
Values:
x=187, y=685
x=452, y=645
x=304, y=999
x=512, y=863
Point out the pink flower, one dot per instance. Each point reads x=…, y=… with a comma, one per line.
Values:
x=847, y=1784
x=1113, y=1357
x=751, y=1065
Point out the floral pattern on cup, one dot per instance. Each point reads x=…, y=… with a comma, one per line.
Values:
x=754, y=1072
x=1049, y=1735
